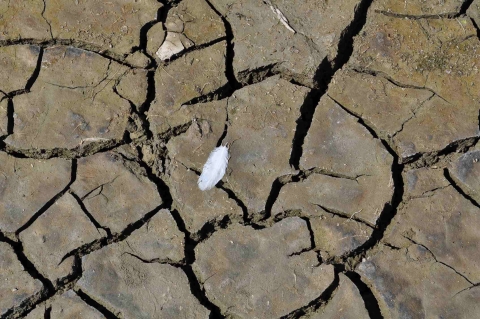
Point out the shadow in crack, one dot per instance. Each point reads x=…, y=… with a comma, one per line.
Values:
x=94, y=304
x=371, y=303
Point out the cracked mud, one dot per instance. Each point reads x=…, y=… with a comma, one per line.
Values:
x=352, y=190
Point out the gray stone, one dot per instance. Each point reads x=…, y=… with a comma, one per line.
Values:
x=408, y=52
x=17, y=285
x=195, y=206
x=47, y=240
x=409, y=283
x=113, y=193
x=17, y=63
x=112, y=25
x=26, y=185
x=133, y=289
x=159, y=238
x=338, y=145
x=23, y=20
x=46, y=117
x=347, y=303
x=466, y=172
x=262, y=40
x=207, y=125
x=259, y=273
x=196, y=74
x=69, y=306
x=262, y=126
x=445, y=223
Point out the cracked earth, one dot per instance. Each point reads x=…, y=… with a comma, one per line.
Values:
x=353, y=187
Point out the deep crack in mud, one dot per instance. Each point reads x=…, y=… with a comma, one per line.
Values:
x=104, y=131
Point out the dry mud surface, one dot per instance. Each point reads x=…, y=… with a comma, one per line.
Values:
x=353, y=187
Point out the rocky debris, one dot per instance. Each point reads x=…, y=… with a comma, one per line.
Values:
x=466, y=172
x=158, y=239
x=197, y=74
x=197, y=207
x=193, y=147
x=347, y=303
x=131, y=288
x=443, y=222
x=409, y=283
x=261, y=126
x=261, y=273
x=46, y=118
x=26, y=185
x=113, y=192
x=358, y=164
x=263, y=41
x=108, y=26
x=418, y=8
x=47, y=240
x=18, y=62
x=436, y=54
x=23, y=20
x=17, y=285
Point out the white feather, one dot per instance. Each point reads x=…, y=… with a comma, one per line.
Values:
x=214, y=168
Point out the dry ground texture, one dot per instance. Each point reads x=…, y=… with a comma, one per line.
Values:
x=353, y=188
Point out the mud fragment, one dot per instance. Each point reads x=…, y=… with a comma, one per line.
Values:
x=131, y=288
x=111, y=26
x=17, y=285
x=115, y=195
x=258, y=274
x=46, y=118
x=26, y=185
x=261, y=126
x=409, y=283
x=47, y=240
x=197, y=74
